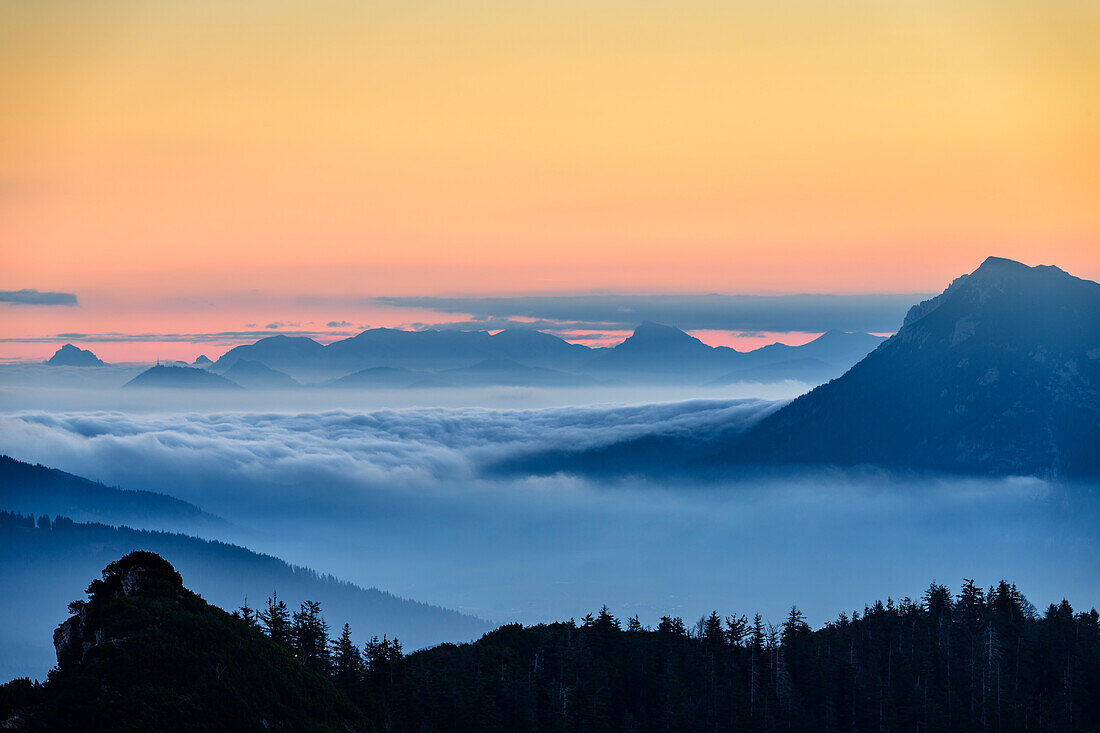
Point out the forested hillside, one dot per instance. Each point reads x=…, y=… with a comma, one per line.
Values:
x=35, y=489
x=981, y=659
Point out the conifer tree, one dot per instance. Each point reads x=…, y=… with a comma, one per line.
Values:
x=276, y=621
x=347, y=663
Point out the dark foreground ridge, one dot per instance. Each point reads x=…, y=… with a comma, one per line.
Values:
x=144, y=653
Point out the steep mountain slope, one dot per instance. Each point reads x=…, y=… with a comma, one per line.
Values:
x=35, y=489
x=69, y=355
x=145, y=653
x=1000, y=374
x=46, y=561
x=179, y=377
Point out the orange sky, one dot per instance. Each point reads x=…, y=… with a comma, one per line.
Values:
x=191, y=149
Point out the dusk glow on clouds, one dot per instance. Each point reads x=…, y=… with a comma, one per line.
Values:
x=151, y=153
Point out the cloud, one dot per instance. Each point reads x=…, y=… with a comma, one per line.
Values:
x=335, y=454
x=338, y=324
x=29, y=296
x=879, y=313
x=218, y=337
x=401, y=499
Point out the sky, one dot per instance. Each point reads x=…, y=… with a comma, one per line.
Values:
x=194, y=167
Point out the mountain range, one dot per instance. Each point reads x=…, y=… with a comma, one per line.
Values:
x=654, y=353
x=386, y=358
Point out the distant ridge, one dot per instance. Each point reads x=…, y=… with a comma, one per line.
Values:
x=826, y=357
x=37, y=489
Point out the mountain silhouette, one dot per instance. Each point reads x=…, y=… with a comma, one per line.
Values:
x=255, y=375
x=37, y=489
x=278, y=352
x=999, y=374
x=826, y=357
x=654, y=353
x=202, y=361
x=536, y=348
x=451, y=349
x=69, y=355
x=178, y=377
x=840, y=347
x=664, y=352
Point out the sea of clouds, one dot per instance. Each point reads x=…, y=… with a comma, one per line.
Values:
x=407, y=500
x=335, y=456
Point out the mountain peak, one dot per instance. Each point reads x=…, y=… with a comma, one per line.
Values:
x=652, y=332
x=69, y=355
x=999, y=268
x=998, y=275
x=1002, y=264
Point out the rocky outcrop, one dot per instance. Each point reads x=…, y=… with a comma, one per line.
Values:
x=85, y=629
